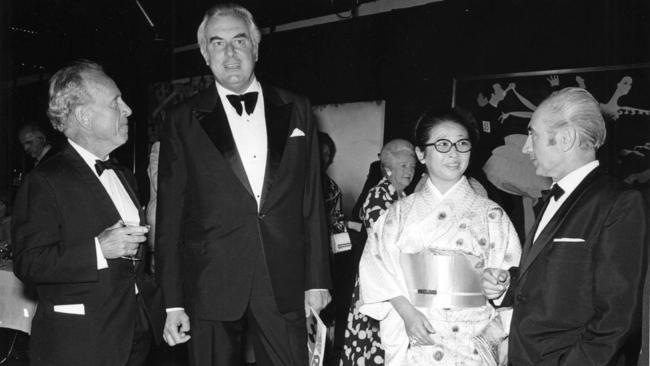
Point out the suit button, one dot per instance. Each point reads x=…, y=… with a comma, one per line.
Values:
x=261, y=216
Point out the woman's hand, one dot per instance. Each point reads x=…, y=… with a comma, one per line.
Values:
x=418, y=328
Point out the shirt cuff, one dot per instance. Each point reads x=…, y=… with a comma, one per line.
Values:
x=317, y=289
x=101, y=261
x=169, y=310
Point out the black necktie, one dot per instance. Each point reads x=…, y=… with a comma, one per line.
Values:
x=100, y=166
x=249, y=99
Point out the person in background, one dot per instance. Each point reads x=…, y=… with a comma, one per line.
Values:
x=35, y=143
x=447, y=233
x=577, y=294
x=331, y=190
x=77, y=231
x=241, y=235
x=362, y=341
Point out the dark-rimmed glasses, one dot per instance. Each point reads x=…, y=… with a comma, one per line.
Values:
x=444, y=145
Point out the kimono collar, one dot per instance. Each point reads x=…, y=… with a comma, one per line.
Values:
x=440, y=196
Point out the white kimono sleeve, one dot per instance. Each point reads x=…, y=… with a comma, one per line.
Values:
x=380, y=274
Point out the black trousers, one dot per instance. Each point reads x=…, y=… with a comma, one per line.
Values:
x=279, y=339
x=142, y=337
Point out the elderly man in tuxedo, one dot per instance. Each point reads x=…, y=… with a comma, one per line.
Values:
x=241, y=235
x=577, y=292
x=78, y=235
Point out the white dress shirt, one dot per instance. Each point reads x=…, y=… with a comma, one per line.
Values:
x=116, y=191
x=568, y=184
x=249, y=133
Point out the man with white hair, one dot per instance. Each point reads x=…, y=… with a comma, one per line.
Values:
x=241, y=236
x=78, y=234
x=577, y=293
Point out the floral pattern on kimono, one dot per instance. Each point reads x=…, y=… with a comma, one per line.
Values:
x=459, y=221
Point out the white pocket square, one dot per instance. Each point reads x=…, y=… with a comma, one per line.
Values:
x=568, y=240
x=297, y=132
x=77, y=309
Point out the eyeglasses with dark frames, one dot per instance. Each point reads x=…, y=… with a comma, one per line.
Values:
x=444, y=145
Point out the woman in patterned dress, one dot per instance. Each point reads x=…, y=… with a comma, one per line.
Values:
x=362, y=345
x=446, y=222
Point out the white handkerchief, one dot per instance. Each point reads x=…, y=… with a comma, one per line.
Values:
x=77, y=309
x=297, y=132
x=569, y=240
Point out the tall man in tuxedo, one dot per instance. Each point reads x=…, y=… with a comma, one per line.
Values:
x=577, y=293
x=241, y=239
x=96, y=304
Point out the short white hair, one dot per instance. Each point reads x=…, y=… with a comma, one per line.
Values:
x=576, y=107
x=67, y=90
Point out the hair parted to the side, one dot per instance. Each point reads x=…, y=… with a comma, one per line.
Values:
x=578, y=108
x=67, y=90
x=229, y=9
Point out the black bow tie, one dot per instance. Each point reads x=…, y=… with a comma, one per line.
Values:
x=100, y=166
x=249, y=99
x=556, y=191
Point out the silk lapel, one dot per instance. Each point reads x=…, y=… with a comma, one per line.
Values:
x=278, y=117
x=215, y=124
x=91, y=183
x=546, y=235
x=531, y=233
x=128, y=186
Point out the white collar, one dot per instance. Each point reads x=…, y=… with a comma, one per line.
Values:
x=573, y=179
x=86, y=155
x=254, y=87
x=437, y=192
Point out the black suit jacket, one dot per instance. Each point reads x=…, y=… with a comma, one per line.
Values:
x=209, y=230
x=59, y=210
x=578, y=302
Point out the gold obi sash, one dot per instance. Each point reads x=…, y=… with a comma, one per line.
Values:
x=442, y=280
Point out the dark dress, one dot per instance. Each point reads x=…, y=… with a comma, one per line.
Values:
x=362, y=333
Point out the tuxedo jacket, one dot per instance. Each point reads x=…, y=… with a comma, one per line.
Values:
x=59, y=210
x=209, y=230
x=577, y=293
x=644, y=359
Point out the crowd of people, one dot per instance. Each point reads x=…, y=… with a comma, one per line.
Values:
x=241, y=216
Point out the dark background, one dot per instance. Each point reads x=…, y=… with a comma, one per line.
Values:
x=407, y=57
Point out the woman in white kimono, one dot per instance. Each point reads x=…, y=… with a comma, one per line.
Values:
x=420, y=273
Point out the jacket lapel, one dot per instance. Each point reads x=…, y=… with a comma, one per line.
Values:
x=89, y=180
x=278, y=117
x=546, y=236
x=212, y=117
x=128, y=186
